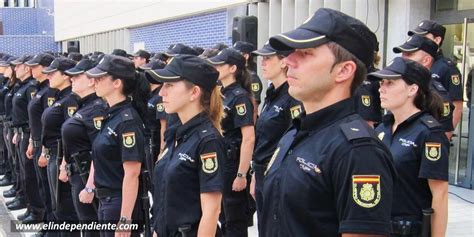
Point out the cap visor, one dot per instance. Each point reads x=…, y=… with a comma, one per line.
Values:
x=15, y=63
x=4, y=64
x=31, y=63
x=297, y=39
x=263, y=52
x=170, y=53
x=73, y=71
x=404, y=48
x=96, y=72
x=49, y=70
x=417, y=31
x=163, y=75
x=383, y=74
x=217, y=60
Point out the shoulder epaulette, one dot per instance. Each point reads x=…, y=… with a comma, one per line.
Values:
x=430, y=122
x=354, y=130
x=126, y=115
x=238, y=91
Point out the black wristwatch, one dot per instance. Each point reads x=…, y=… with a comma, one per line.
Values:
x=123, y=220
x=89, y=190
x=240, y=175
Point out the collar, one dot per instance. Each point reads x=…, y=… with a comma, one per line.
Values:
x=155, y=91
x=273, y=93
x=439, y=54
x=119, y=106
x=87, y=100
x=389, y=119
x=64, y=92
x=43, y=84
x=230, y=87
x=325, y=116
x=26, y=80
x=184, y=130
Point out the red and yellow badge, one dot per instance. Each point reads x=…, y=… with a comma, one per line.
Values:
x=128, y=139
x=365, y=100
x=433, y=151
x=295, y=111
x=32, y=94
x=98, y=122
x=209, y=162
x=446, y=109
x=255, y=87
x=160, y=107
x=455, y=79
x=366, y=190
x=241, y=109
x=51, y=101
x=71, y=110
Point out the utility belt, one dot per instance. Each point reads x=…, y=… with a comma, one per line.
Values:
x=36, y=143
x=184, y=230
x=405, y=227
x=7, y=123
x=106, y=192
x=79, y=163
x=233, y=148
x=22, y=129
x=259, y=166
x=49, y=152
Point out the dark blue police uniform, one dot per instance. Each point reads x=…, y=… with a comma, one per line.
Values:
x=256, y=86
x=446, y=118
x=238, y=108
x=121, y=139
x=153, y=126
x=367, y=98
x=420, y=151
x=445, y=71
x=189, y=166
x=5, y=167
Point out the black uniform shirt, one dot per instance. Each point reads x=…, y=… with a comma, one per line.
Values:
x=446, y=119
x=329, y=175
x=3, y=93
x=238, y=108
x=189, y=165
x=79, y=132
x=121, y=138
x=256, y=86
x=20, y=102
x=53, y=117
x=9, y=101
x=278, y=110
x=44, y=98
x=420, y=151
x=151, y=122
x=445, y=71
x=367, y=98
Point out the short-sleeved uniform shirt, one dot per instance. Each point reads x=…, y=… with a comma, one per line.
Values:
x=238, y=108
x=79, y=131
x=20, y=101
x=3, y=93
x=446, y=118
x=329, y=175
x=367, y=99
x=256, y=86
x=445, y=71
x=189, y=166
x=279, y=109
x=53, y=117
x=155, y=112
x=121, y=139
x=420, y=151
x=44, y=98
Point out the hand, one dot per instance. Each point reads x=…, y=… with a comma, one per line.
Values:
x=155, y=234
x=62, y=174
x=14, y=139
x=29, y=151
x=252, y=187
x=86, y=197
x=239, y=184
x=42, y=161
x=121, y=231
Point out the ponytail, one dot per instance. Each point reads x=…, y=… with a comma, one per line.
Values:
x=429, y=101
x=138, y=89
x=242, y=75
x=214, y=108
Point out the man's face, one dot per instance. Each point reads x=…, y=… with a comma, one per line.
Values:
x=309, y=73
x=436, y=39
x=21, y=71
x=418, y=56
x=138, y=61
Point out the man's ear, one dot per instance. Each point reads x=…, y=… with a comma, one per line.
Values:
x=344, y=71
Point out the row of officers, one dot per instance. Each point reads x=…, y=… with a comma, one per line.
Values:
x=87, y=141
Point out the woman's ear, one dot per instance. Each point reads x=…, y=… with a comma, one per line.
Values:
x=233, y=68
x=195, y=93
x=117, y=84
x=413, y=90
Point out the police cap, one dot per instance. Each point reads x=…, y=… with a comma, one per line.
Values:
x=43, y=59
x=60, y=64
x=83, y=65
x=417, y=42
x=228, y=56
x=116, y=66
x=21, y=60
x=244, y=47
x=143, y=54
x=180, y=49
x=6, y=61
x=428, y=26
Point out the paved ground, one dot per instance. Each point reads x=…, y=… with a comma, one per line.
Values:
x=460, y=221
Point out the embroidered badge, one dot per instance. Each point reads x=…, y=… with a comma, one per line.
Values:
x=255, y=87
x=446, y=109
x=51, y=101
x=295, y=111
x=128, y=139
x=209, y=162
x=32, y=94
x=71, y=110
x=433, y=151
x=241, y=109
x=366, y=190
x=381, y=135
x=275, y=154
x=160, y=107
x=365, y=100
x=98, y=122
x=455, y=79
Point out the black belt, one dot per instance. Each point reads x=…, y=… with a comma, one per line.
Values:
x=105, y=192
x=24, y=129
x=49, y=152
x=36, y=143
x=404, y=227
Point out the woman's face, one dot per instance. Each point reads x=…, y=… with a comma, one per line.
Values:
x=272, y=66
x=396, y=93
x=104, y=86
x=81, y=83
x=224, y=71
x=176, y=95
x=56, y=79
x=36, y=71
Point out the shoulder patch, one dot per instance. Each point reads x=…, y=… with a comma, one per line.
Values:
x=354, y=130
x=127, y=115
x=430, y=122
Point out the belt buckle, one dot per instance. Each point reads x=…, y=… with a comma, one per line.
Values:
x=47, y=153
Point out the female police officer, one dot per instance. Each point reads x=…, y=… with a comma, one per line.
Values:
x=239, y=137
x=418, y=145
x=188, y=182
x=52, y=119
x=278, y=110
x=78, y=134
x=119, y=149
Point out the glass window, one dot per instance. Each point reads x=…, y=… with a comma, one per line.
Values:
x=26, y=3
x=5, y=3
x=456, y=5
x=16, y=3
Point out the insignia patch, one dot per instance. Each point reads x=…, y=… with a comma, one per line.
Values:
x=33, y=94
x=128, y=139
x=98, y=122
x=241, y=109
x=455, y=79
x=275, y=154
x=255, y=87
x=162, y=155
x=381, y=135
x=160, y=107
x=433, y=151
x=209, y=162
x=365, y=100
x=446, y=109
x=366, y=190
x=71, y=110
x=295, y=111
x=51, y=101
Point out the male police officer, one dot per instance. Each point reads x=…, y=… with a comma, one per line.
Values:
x=330, y=174
x=140, y=58
x=443, y=70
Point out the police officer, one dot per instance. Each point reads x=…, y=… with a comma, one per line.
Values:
x=187, y=177
x=239, y=137
x=179, y=48
x=4, y=166
x=119, y=149
x=44, y=97
x=75, y=56
x=330, y=174
x=418, y=145
x=423, y=51
x=52, y=119
x=443, y=70
x=246, y=49
x=140, y=58
x=78, y=134
x=278, y=110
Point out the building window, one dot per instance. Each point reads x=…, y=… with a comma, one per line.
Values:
x=5, y=3
x=456, y=5
x=16, y=3
x=26, y=3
